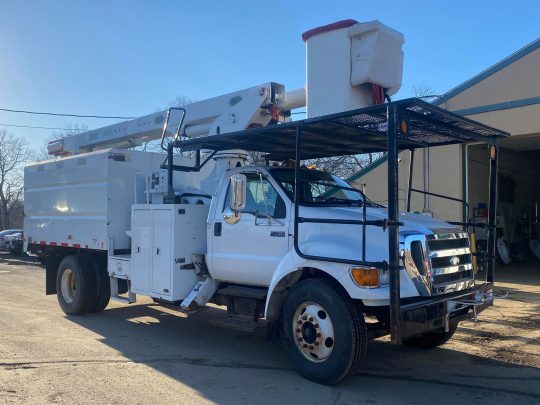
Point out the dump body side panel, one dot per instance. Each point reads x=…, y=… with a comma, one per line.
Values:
x=84, y=201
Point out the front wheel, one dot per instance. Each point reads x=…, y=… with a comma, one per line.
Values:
x=324, y=334
x=432, y=339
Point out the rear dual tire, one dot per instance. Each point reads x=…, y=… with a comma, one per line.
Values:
x=103, y=286
x=82, y=285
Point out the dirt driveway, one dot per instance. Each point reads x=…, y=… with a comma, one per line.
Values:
x=144, y=353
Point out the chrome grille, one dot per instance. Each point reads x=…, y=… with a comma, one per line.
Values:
x=444, y=244
x=446, y=261
x=450, y=259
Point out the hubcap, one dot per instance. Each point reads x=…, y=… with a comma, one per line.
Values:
x=313, y=332
x=67, y=284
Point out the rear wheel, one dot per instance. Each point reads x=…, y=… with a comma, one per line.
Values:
x=432, y=339
x=75, y=286
x=324, y=334
x=98, y=270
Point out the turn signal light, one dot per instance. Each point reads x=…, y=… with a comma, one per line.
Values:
x=365, y=276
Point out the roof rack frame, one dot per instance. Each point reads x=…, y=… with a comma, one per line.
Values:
x=388, y=127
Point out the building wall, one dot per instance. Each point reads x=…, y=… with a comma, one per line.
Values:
x=517, y=121
x=445, y=178
x=518, y=80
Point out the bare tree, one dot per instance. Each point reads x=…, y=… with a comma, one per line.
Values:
x=13, y=154
x=16, y=215
x=69, y=129
x=345, y=166
x=424, y=91
x=180, y=101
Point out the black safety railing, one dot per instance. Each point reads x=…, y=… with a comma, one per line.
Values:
x=445, y=197
x=298, y=181
x=489, y=253
x=171, y=167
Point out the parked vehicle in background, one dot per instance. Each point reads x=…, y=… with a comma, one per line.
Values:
x=14, y=243
x=5, y=233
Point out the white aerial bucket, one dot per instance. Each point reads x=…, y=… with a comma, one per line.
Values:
x=344, y=59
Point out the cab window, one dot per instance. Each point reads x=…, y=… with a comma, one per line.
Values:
x=262, y=199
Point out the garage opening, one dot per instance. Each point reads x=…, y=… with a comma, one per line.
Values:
x=518, y=208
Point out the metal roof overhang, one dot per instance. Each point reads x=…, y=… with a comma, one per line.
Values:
x=353, y=132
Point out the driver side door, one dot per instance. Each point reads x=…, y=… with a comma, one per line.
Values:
x=249, y=251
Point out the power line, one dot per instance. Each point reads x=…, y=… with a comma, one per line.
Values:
x=33, y=127
x=80, y=115
x=64, y=115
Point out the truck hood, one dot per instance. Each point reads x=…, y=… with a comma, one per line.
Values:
x=416, y=223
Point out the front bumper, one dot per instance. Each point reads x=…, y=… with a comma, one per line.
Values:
x=436, y=314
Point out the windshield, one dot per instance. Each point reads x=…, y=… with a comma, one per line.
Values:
x=319, y=188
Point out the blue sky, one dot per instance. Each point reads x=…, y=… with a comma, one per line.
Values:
x=130, y=57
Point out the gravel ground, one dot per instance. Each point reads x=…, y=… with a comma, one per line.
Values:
x=144, y=353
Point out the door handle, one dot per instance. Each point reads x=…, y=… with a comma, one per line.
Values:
x=138, y=249
x=217, y=228
x=157, y=251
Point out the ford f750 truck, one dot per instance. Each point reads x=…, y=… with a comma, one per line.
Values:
x=326, y=267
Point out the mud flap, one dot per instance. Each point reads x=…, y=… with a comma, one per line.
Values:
x=51, y=270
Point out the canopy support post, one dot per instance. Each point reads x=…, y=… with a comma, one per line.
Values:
x=393, y=223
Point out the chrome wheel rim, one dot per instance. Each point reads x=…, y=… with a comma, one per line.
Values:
x=68, y=286
x=313, y=332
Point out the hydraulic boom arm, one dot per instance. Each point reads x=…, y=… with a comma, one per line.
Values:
x=253, y=107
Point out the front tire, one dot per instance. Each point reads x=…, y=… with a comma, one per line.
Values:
x=432, y=339
x=324, y=333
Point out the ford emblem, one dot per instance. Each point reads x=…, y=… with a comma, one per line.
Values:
x=454, y=260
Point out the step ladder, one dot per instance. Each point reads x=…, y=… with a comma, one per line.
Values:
x=115, y=296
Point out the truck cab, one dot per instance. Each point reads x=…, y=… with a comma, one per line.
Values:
x=436, y=255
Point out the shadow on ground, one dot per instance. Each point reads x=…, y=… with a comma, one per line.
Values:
x=167, y=341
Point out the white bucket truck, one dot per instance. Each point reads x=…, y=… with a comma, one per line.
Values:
x=298, y=247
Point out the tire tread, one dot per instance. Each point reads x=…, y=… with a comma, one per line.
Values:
x=86, y=285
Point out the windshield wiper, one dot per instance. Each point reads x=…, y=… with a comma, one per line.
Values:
x=343, y=201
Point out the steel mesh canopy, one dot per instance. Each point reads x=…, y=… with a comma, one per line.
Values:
x=354, y=132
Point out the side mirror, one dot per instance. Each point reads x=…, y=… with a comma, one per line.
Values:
x=238, y=192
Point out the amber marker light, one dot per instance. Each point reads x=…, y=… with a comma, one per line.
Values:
x=404, y=126
x=492, y=152
x=367, y=277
